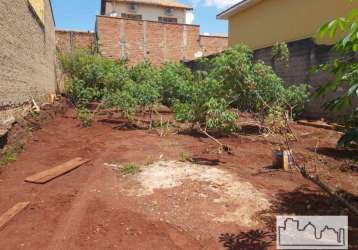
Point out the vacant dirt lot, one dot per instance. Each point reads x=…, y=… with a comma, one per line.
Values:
x=215, y=201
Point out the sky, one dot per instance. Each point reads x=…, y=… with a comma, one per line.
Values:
x=81, y=14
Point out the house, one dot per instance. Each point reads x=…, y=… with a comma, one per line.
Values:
x=166, y=11
x=262, y=23
x=27, y=55
x=156, y=30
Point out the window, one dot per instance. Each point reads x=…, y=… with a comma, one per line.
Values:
x=38, y=7
x=131, y=16
x=169, y=11
x=132, y=7
x=167, y=19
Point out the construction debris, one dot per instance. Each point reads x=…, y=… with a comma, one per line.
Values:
x=11, y=213
x=50, y=174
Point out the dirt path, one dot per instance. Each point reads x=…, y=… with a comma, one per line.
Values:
x=169, y=204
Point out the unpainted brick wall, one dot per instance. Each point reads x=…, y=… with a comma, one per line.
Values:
x=68, y=40
x=159, y=42
x=213, y=44
x=27, y=54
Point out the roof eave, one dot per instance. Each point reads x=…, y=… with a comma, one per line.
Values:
x=240, y=6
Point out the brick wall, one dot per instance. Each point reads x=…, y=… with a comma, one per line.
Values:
x=27, y=54
x=213, y=44
x=158, y=42
x=67, y=40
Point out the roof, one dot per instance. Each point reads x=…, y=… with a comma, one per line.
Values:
x=240, y=6
x=164, y=3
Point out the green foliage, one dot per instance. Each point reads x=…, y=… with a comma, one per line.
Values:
x=175, y=83
x=79, y=93
x=204, y=97
x=296, y=96
x=122, y=101
x=129, y=169
x=94, y=70
x=218, y=116
x=7, y=156
x=281, y=53
x=345, y=68
x=85, y=116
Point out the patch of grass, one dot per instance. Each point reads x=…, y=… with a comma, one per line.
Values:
x=7, y=156
x=129, y=169
x=184, y=157
x=85, y=116
x=9, y=153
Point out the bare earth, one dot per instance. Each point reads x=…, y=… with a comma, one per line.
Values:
x=216, y=201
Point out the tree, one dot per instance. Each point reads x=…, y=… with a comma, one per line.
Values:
x=345, y=68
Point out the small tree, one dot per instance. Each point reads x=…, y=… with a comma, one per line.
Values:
x=345, y=68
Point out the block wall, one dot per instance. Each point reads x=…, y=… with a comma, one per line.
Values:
x=27, y=53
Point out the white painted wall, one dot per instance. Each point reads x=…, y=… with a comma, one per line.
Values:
x=149, y=12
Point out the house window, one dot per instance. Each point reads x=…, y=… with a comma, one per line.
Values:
x=167, y=19
x=38, y=7
x=131, y=16
x=132, y=7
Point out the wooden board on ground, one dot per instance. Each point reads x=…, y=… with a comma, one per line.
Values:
x=50, y=174
x=11, y=213
x=317, y=124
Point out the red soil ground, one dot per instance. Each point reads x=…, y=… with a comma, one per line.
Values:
x=84, y=210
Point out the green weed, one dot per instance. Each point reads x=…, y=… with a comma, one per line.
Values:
x=129, y=169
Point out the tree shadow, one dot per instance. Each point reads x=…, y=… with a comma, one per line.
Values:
x=205, y=161
x=337, y=153
x=251, y=240
x=304, y=201
x=250, y=130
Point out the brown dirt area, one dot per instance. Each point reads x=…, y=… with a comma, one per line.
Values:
x=216, y=201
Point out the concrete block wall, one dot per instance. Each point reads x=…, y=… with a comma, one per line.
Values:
x=27, y=54
x=138, y=40
x=304, y=56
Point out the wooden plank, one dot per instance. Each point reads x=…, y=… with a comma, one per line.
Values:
x=316, y=124
x=11, y=213
x=50, y=174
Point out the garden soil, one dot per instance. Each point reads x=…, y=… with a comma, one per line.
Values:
x=206, y=200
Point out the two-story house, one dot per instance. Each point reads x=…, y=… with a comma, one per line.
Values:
x=166, y=11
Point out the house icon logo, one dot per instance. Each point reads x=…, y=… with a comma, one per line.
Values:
x=312, y=232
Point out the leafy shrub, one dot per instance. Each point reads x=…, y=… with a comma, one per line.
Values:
x=218, y=116
x=94, y=70
x=175, y=83
x=122, y=101
x=281, y=53
x=295, y=97
x=85, y=116
x=79, y=94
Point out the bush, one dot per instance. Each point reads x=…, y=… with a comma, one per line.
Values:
x=122, y=101
x=79, y=94
x=205, y=97
x=85, y=116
